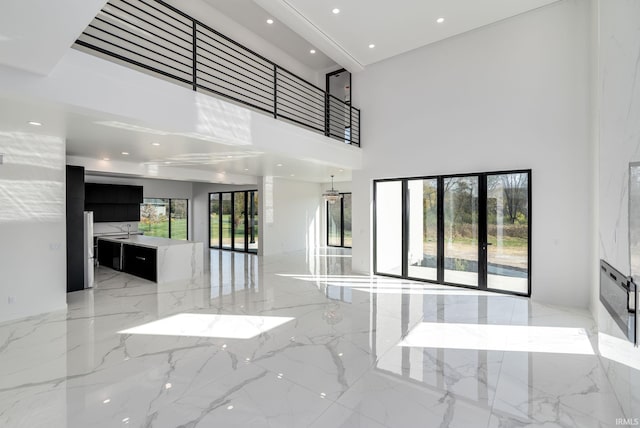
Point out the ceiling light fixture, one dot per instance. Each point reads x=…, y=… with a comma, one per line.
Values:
x=269, y=21
x=332, y=195
x=279, y=164
x=371, y=46
x=312, y=51
x=32, y=123
x=155, y=144
x=440, y=20
x=125, y=153
x=336, y=11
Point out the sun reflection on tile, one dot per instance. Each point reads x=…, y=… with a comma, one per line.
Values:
x=491, y=337
x=210, y=325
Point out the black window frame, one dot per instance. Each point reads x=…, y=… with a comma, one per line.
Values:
x=482, y=224
x=247, y=199
x=170, y=211
x=342, y=194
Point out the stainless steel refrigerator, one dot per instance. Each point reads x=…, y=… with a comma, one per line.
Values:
x=89, y=253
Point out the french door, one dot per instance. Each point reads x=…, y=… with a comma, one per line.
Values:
x=233, y=220
x=471, y=230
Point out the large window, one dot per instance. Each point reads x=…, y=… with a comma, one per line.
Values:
x=339, y=222
x=165, y=218
x=469, y=230
x=233, y=220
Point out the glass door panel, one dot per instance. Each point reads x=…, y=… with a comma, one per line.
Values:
x=461, y=230
x=508, y=232
x=346, y=219
x=239, y=211
x=154, y=217
x=423, y=229
x=388, y=195
x=227, y=221
x=334, y=223
x=252, y=228
x=179, y=219
x=214, y=220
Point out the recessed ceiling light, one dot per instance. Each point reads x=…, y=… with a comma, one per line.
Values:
x=336, y=11
x=312, y=51
x=155, y=144
x=293, y=175
x=246, y=169
x=125, y=153
x=167, y=162
x=107, y=401
x=440, y=20
x=371, y=46
x=32, y=123
x=341, y=170
x=279, y=164
x=269, y=21
x=229, y=156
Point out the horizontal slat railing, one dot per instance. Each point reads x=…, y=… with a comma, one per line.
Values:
x=158, y=38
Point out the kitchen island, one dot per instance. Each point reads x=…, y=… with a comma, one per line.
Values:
x=156, y=259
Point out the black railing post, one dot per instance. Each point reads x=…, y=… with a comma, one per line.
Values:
x=327, y=119
x=350, y=124
x=275, y=91
x=194, y=65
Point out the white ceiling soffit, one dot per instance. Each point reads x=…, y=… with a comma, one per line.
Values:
x=253, y=17
x=393, y=27
x=35, y=34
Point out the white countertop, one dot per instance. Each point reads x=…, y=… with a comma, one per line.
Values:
x=147, y=241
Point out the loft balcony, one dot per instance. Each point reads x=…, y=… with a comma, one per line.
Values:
x=154, y=37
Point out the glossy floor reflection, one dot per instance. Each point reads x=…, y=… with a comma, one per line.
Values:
x=325, y=348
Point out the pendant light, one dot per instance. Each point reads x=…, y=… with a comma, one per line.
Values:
x=332, y=195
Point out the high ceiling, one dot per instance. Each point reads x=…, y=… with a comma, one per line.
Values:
x=253, y=17
x=299, y=25
x=393, y=27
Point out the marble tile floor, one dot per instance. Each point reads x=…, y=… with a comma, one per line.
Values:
x=300, y=341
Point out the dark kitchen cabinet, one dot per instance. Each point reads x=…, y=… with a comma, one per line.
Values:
x=109, y=254
x=75, y=230
x=140, y=261
x=113, y=202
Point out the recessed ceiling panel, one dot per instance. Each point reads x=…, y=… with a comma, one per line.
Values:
x=372, y=31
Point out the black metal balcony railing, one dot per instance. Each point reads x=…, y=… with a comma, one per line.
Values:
x=157, y=37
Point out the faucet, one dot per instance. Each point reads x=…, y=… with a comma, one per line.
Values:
x=128, y=231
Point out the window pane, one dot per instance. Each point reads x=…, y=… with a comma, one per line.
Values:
x=389, y=227
x=227, y=222
x=239, y=209
x=154, y=217
x=508, y=232
x=179, y=219
x=423, y=229
x=333, y=224
x=214, y=222
x=253, y=221
x=461, y=230
x=346, y=219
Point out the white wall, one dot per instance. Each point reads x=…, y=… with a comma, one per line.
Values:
x=33, y=269
x=290, y=215
x=512, y=95
x=618, y=104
